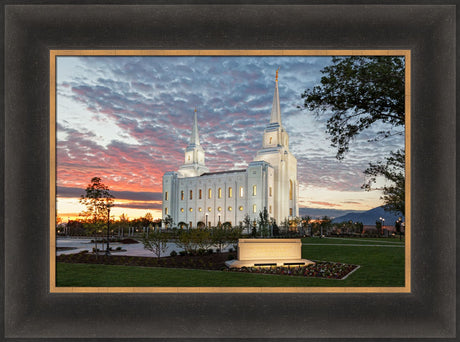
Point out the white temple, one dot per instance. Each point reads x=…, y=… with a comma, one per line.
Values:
x=195, y=196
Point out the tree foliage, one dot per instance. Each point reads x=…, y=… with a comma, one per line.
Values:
x=98, y=201
x=156, y=241
x=359, y=91
x=263, y=222
x=393, y=170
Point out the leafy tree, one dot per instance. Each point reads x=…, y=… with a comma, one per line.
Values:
x=393, y=170
x=263, y=222
x=155, y=241
x=276, y=229
x=98, y=201
x=305, y=222
x=168, y=221
x=325, y=225
x=247, y=222
x=222, y=238
x=123, y=223
x=359, y=92
x=285, y=226
x=378, y=225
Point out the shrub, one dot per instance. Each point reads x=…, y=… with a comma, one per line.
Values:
x=210, y=251
x=118, y=248
x=230, y=250
x=173, y=253
x=230, y=257
x=182, y=253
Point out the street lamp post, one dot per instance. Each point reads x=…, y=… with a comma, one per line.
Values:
x=383, y=223
x=108, y=232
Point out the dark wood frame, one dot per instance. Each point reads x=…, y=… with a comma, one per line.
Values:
x=31, y=311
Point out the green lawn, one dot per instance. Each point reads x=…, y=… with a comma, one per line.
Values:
x=379, y=267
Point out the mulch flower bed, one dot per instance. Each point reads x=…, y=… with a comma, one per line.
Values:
x=215, y=261
x=321, y=269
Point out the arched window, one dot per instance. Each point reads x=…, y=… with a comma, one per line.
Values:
x=270, y=140
x=191, y=194
x=209, y=193
x=199, y=194
x=290, y=190
x=219, y=193
x=254, y=208
x=241, y=191
x=254, y=190
x=182, y=195
x=230, y=192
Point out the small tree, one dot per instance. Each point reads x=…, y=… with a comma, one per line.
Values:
x=263, y=222
x=325, y=225
x=155, y=241
x=393, y=170
x=276, y=229
x=247, y=222
x=378, y=225
x=305, y=222
x=98, y=201
x=168, y=221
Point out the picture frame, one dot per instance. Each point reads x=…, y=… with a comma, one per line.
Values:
x=31, y=311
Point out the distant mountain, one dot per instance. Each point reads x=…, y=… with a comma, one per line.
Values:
x=316, y=213
x=369, y=217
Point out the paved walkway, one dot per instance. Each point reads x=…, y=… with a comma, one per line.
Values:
x=355, y=239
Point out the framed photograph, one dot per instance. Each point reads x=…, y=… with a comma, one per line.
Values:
x=179, y=113
x=120, y=112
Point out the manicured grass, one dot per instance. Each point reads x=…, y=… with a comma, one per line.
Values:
x=379, y=267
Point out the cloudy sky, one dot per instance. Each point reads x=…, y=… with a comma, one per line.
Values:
x=128, y=120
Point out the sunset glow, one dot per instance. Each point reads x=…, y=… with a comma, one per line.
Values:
x=127, y=120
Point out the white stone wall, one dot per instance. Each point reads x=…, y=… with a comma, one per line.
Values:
x=223, y=208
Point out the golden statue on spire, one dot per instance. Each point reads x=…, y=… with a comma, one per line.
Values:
x=277, y=74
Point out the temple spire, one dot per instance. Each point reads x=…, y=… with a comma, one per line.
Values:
x=276, y=111
x=195, y=138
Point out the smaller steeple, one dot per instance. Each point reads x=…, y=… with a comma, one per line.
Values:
x=194, y=164
x=276, y=110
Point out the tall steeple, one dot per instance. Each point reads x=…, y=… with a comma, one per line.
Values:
x=276, y=111
x=194, y=138
x=275, y=135
x=275, y=151
x=194, y=154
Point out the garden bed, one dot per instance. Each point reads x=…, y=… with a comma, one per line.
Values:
x=321, y=269
x=215, y=261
